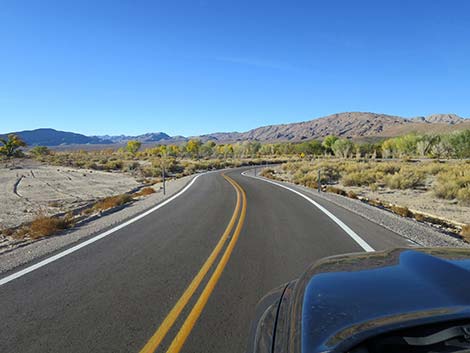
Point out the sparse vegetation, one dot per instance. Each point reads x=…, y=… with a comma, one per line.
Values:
x=112, y=201
x=341, y=166
x=465, y=233
x=44, y=226
x=145, y=191
x=370, y=180
x=401, y=211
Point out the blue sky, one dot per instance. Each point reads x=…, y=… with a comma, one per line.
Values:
x=192, y=67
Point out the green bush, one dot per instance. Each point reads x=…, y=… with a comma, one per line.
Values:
x=405, y=179
x=463, y=195
x=358, y=178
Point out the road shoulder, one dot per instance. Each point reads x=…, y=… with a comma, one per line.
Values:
x=418, y=233
x=46, y=246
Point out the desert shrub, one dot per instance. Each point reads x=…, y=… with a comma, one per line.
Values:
x=401, y=211
x=145, y=191
x=358, y=178
x=388, y=168
x=113, y=165
x=7, y=232
x=267, y=173
x=465, y=233
x=309, y=180
x=374, y=187
x=433, y=168
x=112, y=201
x=44, y=226
x=463, y=195
x=92, y=165
x=330, y=174
x=453, y=183
x=40, y=151
x=405, y=179
x=150, y=172
x=419, y=217
x=376, y=202
x=133, y=166
x=336, y=190
x=446, y=190
x=352, y=194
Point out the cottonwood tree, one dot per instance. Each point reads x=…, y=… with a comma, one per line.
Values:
x=133, y=146
x=328, y=142
x=342, y=148
x=11, y=146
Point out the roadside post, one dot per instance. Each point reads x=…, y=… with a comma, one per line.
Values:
x=163, y=177
x=319, y=181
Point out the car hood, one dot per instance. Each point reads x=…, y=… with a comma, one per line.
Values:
x=341, y=301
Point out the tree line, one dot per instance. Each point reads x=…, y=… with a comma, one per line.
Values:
x=450, y=145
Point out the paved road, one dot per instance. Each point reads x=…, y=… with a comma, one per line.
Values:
x=114, y=294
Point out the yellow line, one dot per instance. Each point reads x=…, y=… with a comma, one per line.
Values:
x=172, y=316
x=190, y=321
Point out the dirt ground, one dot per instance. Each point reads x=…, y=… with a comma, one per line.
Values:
x=28, y=188
x=418, y=200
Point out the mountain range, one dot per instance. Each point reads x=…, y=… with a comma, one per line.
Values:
x=354, y=125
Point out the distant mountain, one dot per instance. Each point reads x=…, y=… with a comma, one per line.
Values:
x=450, y=119
x=350, y=124
x=148, y=137
x=51, y=137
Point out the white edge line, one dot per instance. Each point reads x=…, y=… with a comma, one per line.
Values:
x=95, y=238
x=362, y=243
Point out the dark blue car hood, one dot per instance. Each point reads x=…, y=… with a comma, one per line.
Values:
x=343, y=300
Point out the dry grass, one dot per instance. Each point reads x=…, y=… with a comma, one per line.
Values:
x=465, y=233
x=454, y=183
x=405, y=179
x=419, y=217
x=351, y=194
x=44, y=226
x=336, y=190
x=359, y=178
x=267, y=173
x=144, y=192
x=401, y=211
x=112, y=201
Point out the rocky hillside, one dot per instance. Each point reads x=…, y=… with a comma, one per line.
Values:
x=351, y=124
x=450, y=119
x=51, y=137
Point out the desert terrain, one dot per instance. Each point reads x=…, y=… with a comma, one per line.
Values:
x=29, y=189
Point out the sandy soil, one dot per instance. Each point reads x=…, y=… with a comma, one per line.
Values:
x=29, y=188
x=422, y=200
x=418, y=200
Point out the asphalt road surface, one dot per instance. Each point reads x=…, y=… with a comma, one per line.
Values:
x=185, y=278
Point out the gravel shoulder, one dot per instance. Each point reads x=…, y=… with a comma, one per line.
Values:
x=40, y=248
x=419, y=233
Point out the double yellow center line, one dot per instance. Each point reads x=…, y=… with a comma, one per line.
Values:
x=178, y=342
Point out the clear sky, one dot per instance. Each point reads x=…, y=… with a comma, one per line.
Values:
x=192, y=67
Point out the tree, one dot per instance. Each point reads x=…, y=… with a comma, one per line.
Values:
x=342, y=148
x=389, y=148
x=460, y=142
x=193, y=146
x=328, y=142
x=406, y=145
x=11, y=146
x=133, y=146
x=207, y=149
